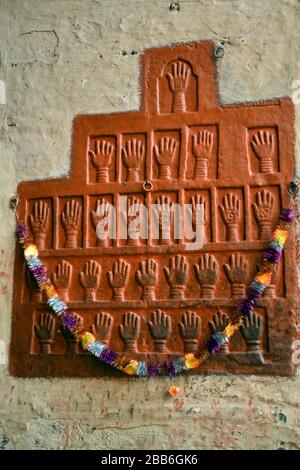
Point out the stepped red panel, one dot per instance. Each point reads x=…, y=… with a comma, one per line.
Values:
x=152, y=296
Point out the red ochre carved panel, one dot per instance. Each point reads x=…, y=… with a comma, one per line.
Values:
x=155, y=297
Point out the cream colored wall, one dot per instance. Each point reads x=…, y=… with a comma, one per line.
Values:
x=63, y=57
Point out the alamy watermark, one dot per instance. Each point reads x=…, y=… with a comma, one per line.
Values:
x=161, y=221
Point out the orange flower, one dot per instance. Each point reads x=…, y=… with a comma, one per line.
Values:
x=173, y=391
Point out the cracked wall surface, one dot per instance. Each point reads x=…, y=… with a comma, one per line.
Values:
x=59, y=58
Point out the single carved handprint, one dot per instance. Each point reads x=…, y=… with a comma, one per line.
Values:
x=101, y=159
x=62, y=279
x=146, y=278
x=133, y=154
x=178, y=82
x=70, y=221
x=100, y=220
x=164, y=216
x=160, y=329
x=45, y=330
x=230, y=210
x=237, y=272
x=165, y=152
x=102, y=327
x=118, y=278
x=90, y=279
x=176, y=275
x=217, y=325
x=206, y=273
x=134, y=213
x=263, y=144
x=129, y=331
x=263, y=210
x=39, y=222
x=72, y=343
x=190, y=329
x=202, y=148
x=252, y=331
x=199, y=217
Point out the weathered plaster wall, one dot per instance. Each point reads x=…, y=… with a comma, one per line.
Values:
x=63, y=57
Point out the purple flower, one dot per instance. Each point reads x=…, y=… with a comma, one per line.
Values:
x=170, y=368
x=108, y=356
x=21, y=231
x=212, y=345
x=152, y=370
x=253, y=294
x=39, y=273
x=272, y=255
x=288, y=214
x=69, y=320
x=246, y=306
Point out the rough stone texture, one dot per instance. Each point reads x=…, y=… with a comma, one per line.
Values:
x=63, y=57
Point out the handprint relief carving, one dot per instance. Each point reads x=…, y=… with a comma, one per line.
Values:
x=100, y=221
x=133, y=156
x=146, y=277
x=129, y=331
x=202, y=150
x=72, y=343
x=164, y=215
x=165, y=153
x=263, y=144
x=45, y=331
x=252, y=332
x=263, y=211
x=90, y=279
x=101, y=159
x=178, y=83
x=61, y=279
x=134, y=229
x=177, y=274
x=230, y=210
x=218, y=324
x=237, y=273
x=206, y=274
x=102, y=327
x=70, y=220
x=199, y=218
x=118, y=278
x=160, y=330
x=39, y=222
x=189, y=329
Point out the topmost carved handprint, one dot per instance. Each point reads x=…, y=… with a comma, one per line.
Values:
x=179, y=81
x=101, y=159
x=263, y=144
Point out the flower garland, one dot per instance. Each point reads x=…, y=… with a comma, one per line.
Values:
x=131, y=366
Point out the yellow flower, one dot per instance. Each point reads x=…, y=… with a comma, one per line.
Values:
x=280, y=236
x=229, y=330
x=191, y=361
x=131, y=368
x=30, y=250
x=86, y=339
